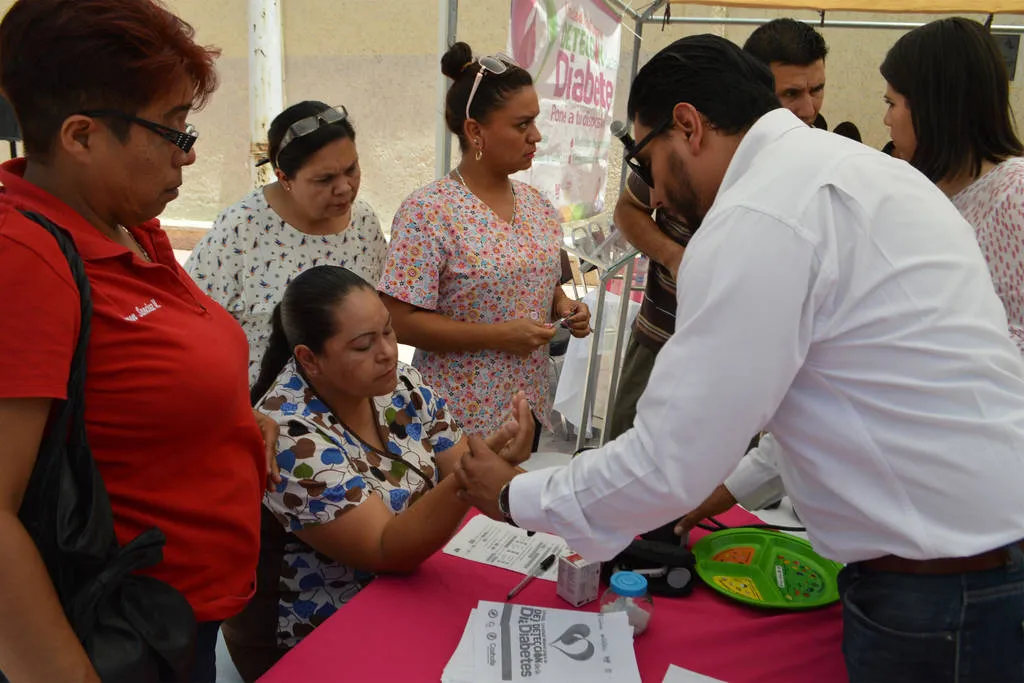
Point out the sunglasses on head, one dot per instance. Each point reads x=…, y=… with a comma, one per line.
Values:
x=496, y=64
x=310, y=124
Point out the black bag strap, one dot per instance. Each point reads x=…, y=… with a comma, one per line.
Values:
x=133, y=628
x=65, y=508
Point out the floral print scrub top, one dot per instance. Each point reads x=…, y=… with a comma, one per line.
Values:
x=249, y=256
x=326, y=471
x=994, y=206
x=451, y=254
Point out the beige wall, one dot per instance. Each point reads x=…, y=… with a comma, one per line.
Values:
x=378, y=58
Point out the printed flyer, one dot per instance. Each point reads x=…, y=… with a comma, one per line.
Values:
x=571, y=48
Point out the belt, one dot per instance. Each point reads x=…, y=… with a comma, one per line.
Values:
x=993, y=559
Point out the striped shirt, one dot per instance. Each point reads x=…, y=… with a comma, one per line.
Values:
x=657, y=318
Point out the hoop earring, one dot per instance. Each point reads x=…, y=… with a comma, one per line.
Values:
x=479, y=155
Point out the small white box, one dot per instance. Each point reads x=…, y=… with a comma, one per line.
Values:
x=578, y=579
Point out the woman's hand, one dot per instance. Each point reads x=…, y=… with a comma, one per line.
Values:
x=513, y=439
x=270, y=431
x=578, y=316
x=524, y=336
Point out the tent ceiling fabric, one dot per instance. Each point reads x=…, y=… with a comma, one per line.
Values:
x=916, y=6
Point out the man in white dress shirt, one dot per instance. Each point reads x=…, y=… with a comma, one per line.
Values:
x=795, y=52
x=833, y=296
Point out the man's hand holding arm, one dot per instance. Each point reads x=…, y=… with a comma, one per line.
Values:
x=633, y=218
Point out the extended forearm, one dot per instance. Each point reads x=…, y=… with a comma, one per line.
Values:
x=39, y=644
x=423, y=529
x=658, y=246
x=642, y=232
x=440, y=334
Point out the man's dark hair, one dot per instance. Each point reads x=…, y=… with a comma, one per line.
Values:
x=786, y=41
x=954, y=78
x=724, y=83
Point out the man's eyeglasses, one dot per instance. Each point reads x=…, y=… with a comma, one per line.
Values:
x=496, y=64
x=309, y=124
x=634, y=148
x=183, y=140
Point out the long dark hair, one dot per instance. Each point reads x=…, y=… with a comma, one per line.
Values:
x=305, y=315
x=958, y=91
x=458, y=65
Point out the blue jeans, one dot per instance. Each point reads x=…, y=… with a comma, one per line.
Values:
x=205, y=668
x=955, y=628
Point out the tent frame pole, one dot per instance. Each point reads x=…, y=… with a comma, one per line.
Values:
x=647, y=17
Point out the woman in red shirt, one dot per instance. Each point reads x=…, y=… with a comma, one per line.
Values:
x=103, y=90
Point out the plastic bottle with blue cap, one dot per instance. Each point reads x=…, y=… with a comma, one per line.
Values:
x=627, y=592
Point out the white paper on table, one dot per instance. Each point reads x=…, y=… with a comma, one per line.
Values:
x=501, y=545
x=677, y=674
x=518, y=643
x=461, y=668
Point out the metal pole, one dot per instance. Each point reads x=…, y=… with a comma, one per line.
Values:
x=634, y=66
x=266, y=80
x=620, y=331
x=593, y=365
x=625, y=9
x=447, y=27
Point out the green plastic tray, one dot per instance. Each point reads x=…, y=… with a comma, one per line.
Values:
x=766, y=569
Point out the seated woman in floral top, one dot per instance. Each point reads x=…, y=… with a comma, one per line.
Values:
x=362, y=440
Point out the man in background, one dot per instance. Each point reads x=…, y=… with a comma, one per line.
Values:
x=795, y=53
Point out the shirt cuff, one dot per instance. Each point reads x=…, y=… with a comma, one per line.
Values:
x=755, y=482
x=524, y=500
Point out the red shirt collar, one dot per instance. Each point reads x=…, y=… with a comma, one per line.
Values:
x=89, y=241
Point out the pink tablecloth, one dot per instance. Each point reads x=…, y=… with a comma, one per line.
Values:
x=403, y=629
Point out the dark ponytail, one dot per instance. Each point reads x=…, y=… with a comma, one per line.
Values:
x=274, y=358
x=305, y=316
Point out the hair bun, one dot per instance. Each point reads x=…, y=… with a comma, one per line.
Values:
x=456, y=59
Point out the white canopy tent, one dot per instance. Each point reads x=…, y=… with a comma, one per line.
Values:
x=889, y=6
x=448, y=13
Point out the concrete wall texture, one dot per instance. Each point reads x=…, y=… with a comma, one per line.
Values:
x=379, y=58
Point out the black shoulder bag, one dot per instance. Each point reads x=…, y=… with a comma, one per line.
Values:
x=134, y=628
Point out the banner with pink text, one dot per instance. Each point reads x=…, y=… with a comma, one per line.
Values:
x=571, y=48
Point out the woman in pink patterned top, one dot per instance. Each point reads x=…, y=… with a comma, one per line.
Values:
x=471, y=277
x=949, y=115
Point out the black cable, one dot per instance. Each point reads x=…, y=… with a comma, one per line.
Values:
x=718, y=526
